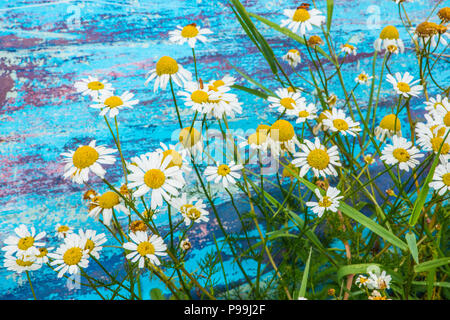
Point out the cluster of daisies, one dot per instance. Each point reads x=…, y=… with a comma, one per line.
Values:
x=377, y=282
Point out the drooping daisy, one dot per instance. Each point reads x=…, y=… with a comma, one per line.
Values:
x=93, y=86
x=167, y=68
x=144, y=246
x=430, y=32
x=70, y=256
x=389, y=33
x=349, y=49
x=292, y=57
x=391, y=46
x=193, y=210
x=62, y=231
x=444, y=15
x=302, y=19
x=223, y=103
x=191, y=140
x=441, y=178
x=430, y=138
x=328, y=202
x=379, y=281
x=303, y=112
x=286, y=100
x=226, y=174
x=24, y=243
x=85, y=159
x=317, y=157
x=369, y=159
x=390, y=125
x=21, y=264
x=223, y=84
x=282, y=137
x=436, y=102
x=363, y=78
x=109, y=103
x=105, y=205
x=337, y=121
x=93, y=242
x=179, y=157
x=401, y=152
x=190, y=34
x=152, y=174
x=403, y=85
x=196, y=96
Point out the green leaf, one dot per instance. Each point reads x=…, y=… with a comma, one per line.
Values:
x=330, y=6
x=355, y=269
x=302, y=290
x=412, y=244
x=429, y=265
x=251, y=80
x=156, y=294
x=251, y=91
x=437, y=284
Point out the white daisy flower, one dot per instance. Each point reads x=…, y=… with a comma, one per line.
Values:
x=142, y=246
x=317, y=157
x=62, y=231
x=302, y=19
x=223, y=173
x=403, y=85
x=430, y=138
x=22, y=264
x=349, y=49
x=441, y=178
x=70, y=256
x=282, y=138
x=192, y=210
x=379, y=281
x=105, y=205
x=108, y=102
x=93, y=242
x=303, y=112
x=363, y=78
x=328, y=202
x=152, y=174
x=190, y=34
x=222, y=103
x=42, y=257
x=85, y=159
x=93, y=86
x=390, y=34
x=292, y=57
x=401, y=152
x=24, y=243
x=337, y=121
x=196, y=96
x=436, y=102
x=389, y=126
x=167, y=68
x=442, y=116
x=362, y=281
x=286, y=100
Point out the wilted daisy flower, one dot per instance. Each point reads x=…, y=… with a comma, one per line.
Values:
x=70, y=256
x=363, y=78
x=179, y=157
x=196, y=96
x=185, y=244
x=223, y=173
x=317, y=157
x=192, y=210
x=190, y=34
x=444, y=14
x=314, y=41
x=430, y=32
x=441, y=178
x=152, y=174
x=105, y=205
x=20, y=264
x=144, y=246
x=303, y=112
x=389, y=33
x=62, y=231
x=292, y=57
x=191, y=140
x=436, y=102
x=401, y=152
x=286, y=100
x=349, y=49
x=431, y=138
x=379, y=281
x=302, y=19
x=390, y=125
x=282, y=137
x=167, y=68
x=332, y=99
x=108, y=102
x=93, y=87
x=24, y=243
x=93, y=242
x=362, y=281
x=403, y=85
x=320, y=125
x=328, y=202
x=337, y=121
x=85, y=159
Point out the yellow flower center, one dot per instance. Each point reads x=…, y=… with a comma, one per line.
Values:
x=401, y=155
x=90, y=245
x=446, y=179
x=199, y=96
x=42, y=252
x=440, y=132
x=447, y=119
x=294, y=51
x=391, y=123
x=257, y=138
x=177, y=160
x=223, y=170
x=264, y=128
x=363, y=77
x=108, y=200
x=25, y=243
x=288, y=103
x=84, y=156
x=349, y=46
x=318, y=159
x=436, y=144
x=191, y=212
x=95, y=85
x=154, y=178
x=303, y=114
x=283, y=129
x=403, y=87
x=63, y=229
x=138, y=225
x=145, y=248
x=218, y=83
x=325, y=202
x=389, y=32
x=166, y=65
x=24, y=263
x=444, y=14
x=190, y=31
x=301, y=15
x=189, y=137
x=113, y=102
x=340, y=124
x=72, y=256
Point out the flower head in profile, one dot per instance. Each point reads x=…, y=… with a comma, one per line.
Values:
x=93, y=87
x=167, y=68
x=391, y=35
x=441, y=178
x=363, y=78
x=302, y=19
x=337, y=121
x=389, y=126
x=404, y=85
x=430, y=33
x=286, y=100
x=292, y=57
x=225, y=174
x=328, y=202
x=192, y=210
x=282, y=138
x=145, y=248
x=25, y=242
x=111, y=104
x=401, y=152
x=349, y=49
x=87, y=158
x=105, y=205
x=21, y=264
x=62, y=231
x=190, y=34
